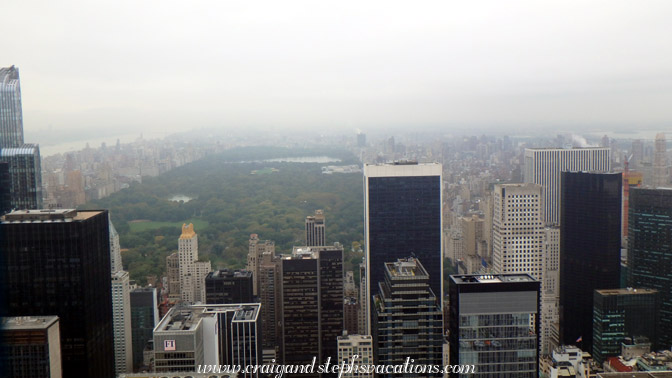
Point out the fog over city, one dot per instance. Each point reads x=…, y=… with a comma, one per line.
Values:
x=97, y=69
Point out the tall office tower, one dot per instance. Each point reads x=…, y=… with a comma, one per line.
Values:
x=550, y=291
x=228, y=286
x=271, y=303
x=518, y=229
x=144, y=317
x=590, y=248
x=402, y=217
x=115, y=250
x=24, y=159
x=173, y=274
x=363, y=318
x=408, y=321
x=493, y=324
x=5, y=189
x=351, y=315
x=121, y=322
x=57, y=262
x=661, y=176
x=315, y=228
x=11, y=114
x=472, y=233
x=355, y=351
x=312, y=304
x=649, y=255
x=189, y=336
x=192, y=271
x=256, y=248
x=621, y=313
x=631, y=180
x=25, y=174
x=31, y=347
x=361, y=140
x=543, y=167
x=519, y=242
x=349, y=287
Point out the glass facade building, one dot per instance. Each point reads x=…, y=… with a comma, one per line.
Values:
x=650, y=251
x=57, y=262
x=228, y=286
x=403, y=218
x=11, y=116
x=621, y=313
x=408, y=321
x=590, y=249
x=144, y=317
x=494, y=324
x=24, y=165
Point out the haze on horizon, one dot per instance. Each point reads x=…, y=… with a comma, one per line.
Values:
x=119, y=67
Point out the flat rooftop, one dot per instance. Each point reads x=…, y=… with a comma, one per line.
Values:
x=16, y=323
x=409, y=267
x=626, y=291
x=49, y=215
x=180, y=319
x=491, y=278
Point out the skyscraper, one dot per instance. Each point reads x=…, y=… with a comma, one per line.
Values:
x=228, y=286
x=270, y=296
x=315, y=229
x=590, y=254
x=649, y=254
x=192, y=271
x=494, y=324
x=256, y=248
x=31, y=347
x=11, y=115
x=520, y=245
x=312, y=304
x=544, y=165
x=661, y=176
x=25, y=173
x=621, y=313
x=408, y=321
x=121, y=322
x=144, y=317
x=360, y=346
x=402, y=218
x=57, y=262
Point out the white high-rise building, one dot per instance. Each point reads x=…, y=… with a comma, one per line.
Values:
x=192, y=271
x=121, y=322
x=121, y=308
x=115, y=250
x=543, y=167
x=355, y=351
x=522, y=244
x=518, y=229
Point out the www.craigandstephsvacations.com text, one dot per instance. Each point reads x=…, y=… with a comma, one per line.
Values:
x=354, y=367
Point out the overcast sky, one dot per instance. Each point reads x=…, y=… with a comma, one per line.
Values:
x=127, y=66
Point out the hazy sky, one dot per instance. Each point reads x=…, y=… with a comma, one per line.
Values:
x=126, y=66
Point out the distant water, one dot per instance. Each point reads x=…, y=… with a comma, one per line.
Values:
x=47, y=149
x=180, y=197
x=304, y=159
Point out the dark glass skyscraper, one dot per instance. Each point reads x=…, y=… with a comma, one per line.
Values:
x=621, y=313
x=11, y=116
x=650, y=250
x=144, y=317
x=228, y=286
x=312, y=304
x=57, y=262
x=494, y=324
x=590, y=248
x=402, y=218
x=25, y=173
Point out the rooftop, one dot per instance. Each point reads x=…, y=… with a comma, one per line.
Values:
x=16, y=323
x=626, y=291
x=491, y=278
x=409, y=267
x=49, y=215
